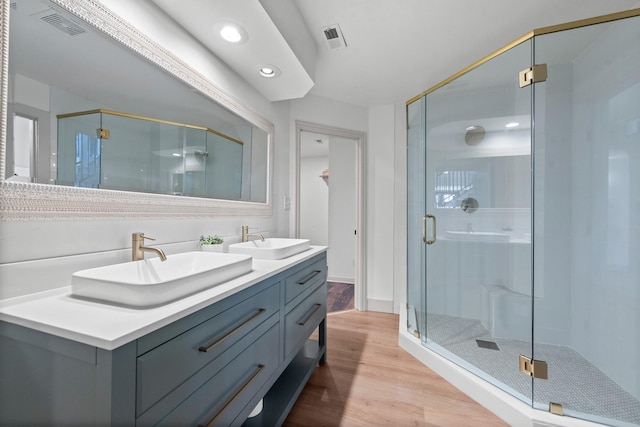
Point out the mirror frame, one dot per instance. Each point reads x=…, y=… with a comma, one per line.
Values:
x=26, y=201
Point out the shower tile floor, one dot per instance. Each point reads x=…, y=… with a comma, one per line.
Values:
x=573, y=382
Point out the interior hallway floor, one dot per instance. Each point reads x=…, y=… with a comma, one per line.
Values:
x=369, y=380
x=339, y=296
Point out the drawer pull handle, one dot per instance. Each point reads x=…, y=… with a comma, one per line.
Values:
x=234, y=397
x=206, y=348
x=310, y=314
x=309, y=277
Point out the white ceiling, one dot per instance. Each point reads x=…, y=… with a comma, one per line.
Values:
x=395, y=49
x=265, y=45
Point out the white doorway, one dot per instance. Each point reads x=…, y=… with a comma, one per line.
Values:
x=329, y=191
x=25, y=131
x=29, y=155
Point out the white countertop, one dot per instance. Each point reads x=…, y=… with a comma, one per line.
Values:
x=108, y=326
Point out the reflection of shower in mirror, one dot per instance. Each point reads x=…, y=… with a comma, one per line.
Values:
x=475, y=135
x=469, y=205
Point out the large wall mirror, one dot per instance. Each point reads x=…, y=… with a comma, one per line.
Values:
x=99, y=121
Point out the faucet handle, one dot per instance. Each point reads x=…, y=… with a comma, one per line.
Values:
x=141, y=236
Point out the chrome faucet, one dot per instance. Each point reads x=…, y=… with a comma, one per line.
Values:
x=138, y=249
x=246, y=234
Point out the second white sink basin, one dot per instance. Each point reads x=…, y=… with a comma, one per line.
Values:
x=479, y=236
x=272, y=248
x=152, y=282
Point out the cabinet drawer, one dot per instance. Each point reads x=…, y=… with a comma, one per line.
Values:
x=164, y=368
x=220, y=399
x=303, y=319
x=305, y=279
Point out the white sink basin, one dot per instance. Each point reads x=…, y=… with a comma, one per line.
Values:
x=272, y=248
x=478, y=236
x=153, y=282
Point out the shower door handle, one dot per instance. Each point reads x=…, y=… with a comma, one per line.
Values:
x=424, y=229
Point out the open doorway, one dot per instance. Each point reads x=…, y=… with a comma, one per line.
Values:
x=29, y=156
x=329, y=203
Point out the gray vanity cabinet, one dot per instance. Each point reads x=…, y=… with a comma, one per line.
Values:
x=51, y=381
x=209, y=368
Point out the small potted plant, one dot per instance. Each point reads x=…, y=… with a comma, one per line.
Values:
x=211, y=243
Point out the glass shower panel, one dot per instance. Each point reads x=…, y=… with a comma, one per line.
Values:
x=416, y=311
x=192, y=170
x=478, y=206
x=79, y=151
x=224, y=162
x=587, y=238
x=140, y=154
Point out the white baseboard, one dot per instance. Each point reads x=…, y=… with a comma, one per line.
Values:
x=381, y=305
x=341, y=280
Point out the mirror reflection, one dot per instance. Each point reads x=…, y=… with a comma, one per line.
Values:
x=117, y=151
x=165, y=138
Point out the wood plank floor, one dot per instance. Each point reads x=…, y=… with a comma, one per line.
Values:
x=369, y=380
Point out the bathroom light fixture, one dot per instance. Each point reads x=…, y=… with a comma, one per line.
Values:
x=231, y=32
x=269, y=71
x=512, y=125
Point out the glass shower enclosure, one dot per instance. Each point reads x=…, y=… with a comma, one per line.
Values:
x=523, y=227
x=118, y=151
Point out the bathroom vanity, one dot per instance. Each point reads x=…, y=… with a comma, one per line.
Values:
x=207, y=359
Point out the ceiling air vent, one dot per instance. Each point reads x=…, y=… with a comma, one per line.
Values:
x=333, y=36
x=63, y=24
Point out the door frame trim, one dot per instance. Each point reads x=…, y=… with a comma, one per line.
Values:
x=360, y=292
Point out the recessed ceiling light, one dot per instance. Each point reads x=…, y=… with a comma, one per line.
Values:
x=231, y=32
x=269, y=71
x=512, y=125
